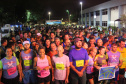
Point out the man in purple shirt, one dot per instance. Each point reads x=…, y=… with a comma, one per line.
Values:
x=78, y=63
x=114, y=59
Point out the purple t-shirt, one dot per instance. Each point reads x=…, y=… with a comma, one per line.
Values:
x=9, y=67
x=90, y=67
x=60, y=64
x=27, y=60
x=113, y=58
x=78, y=58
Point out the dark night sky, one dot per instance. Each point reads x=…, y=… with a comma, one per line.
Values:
x=57, y=7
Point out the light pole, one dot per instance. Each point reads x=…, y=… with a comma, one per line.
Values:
x=49, y=13
x=68, y=16
x=81, y=13
x=95, y=20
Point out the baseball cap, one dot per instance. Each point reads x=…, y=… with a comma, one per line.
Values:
x=19, y=42
x=77, y=39
x=26, y=42
x=38, y=34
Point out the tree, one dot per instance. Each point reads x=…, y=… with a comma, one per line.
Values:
x=123, y=19
x=33, y=15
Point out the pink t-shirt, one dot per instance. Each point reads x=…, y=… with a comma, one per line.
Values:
x=42, y=64
x=60, y=64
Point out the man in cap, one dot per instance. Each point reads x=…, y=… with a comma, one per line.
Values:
x=19, y=44
x=19, y=48
x=26, y=60
x=78, y=63
x=39, y=36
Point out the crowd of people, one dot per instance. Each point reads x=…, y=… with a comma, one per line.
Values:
x=55, y=55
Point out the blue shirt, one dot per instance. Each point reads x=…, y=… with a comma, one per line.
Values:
x=87, y=39
x=29, y=40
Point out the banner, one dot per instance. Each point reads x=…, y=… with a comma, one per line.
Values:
x=106, y=73
x=53, y=22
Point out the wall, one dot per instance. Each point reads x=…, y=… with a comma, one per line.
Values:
x=114, y=15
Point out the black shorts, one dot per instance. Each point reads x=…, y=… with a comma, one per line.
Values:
x=121, y=71
x=11, y=81
x=59, y=81
x=90, y=76
x=44, y=80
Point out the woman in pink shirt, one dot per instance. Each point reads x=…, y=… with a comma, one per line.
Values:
x=42, y=64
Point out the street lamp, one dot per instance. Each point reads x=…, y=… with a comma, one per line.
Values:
x=94, y=20
x=49, y=13
x=68, y=16
x=81, y=13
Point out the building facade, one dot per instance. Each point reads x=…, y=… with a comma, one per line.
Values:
x=104, y=14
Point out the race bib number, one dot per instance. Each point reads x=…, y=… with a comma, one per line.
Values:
x=27, y=62
x=11, y=70
x=44, y=73
x=103, y=61
x=79, y=63
x=60, y=66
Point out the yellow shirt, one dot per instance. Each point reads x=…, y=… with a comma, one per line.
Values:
x=14, y=54
x=123, y=57
x=100, y=60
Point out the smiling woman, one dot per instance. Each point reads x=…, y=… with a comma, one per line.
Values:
x=42, y=64
x=10, y=66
